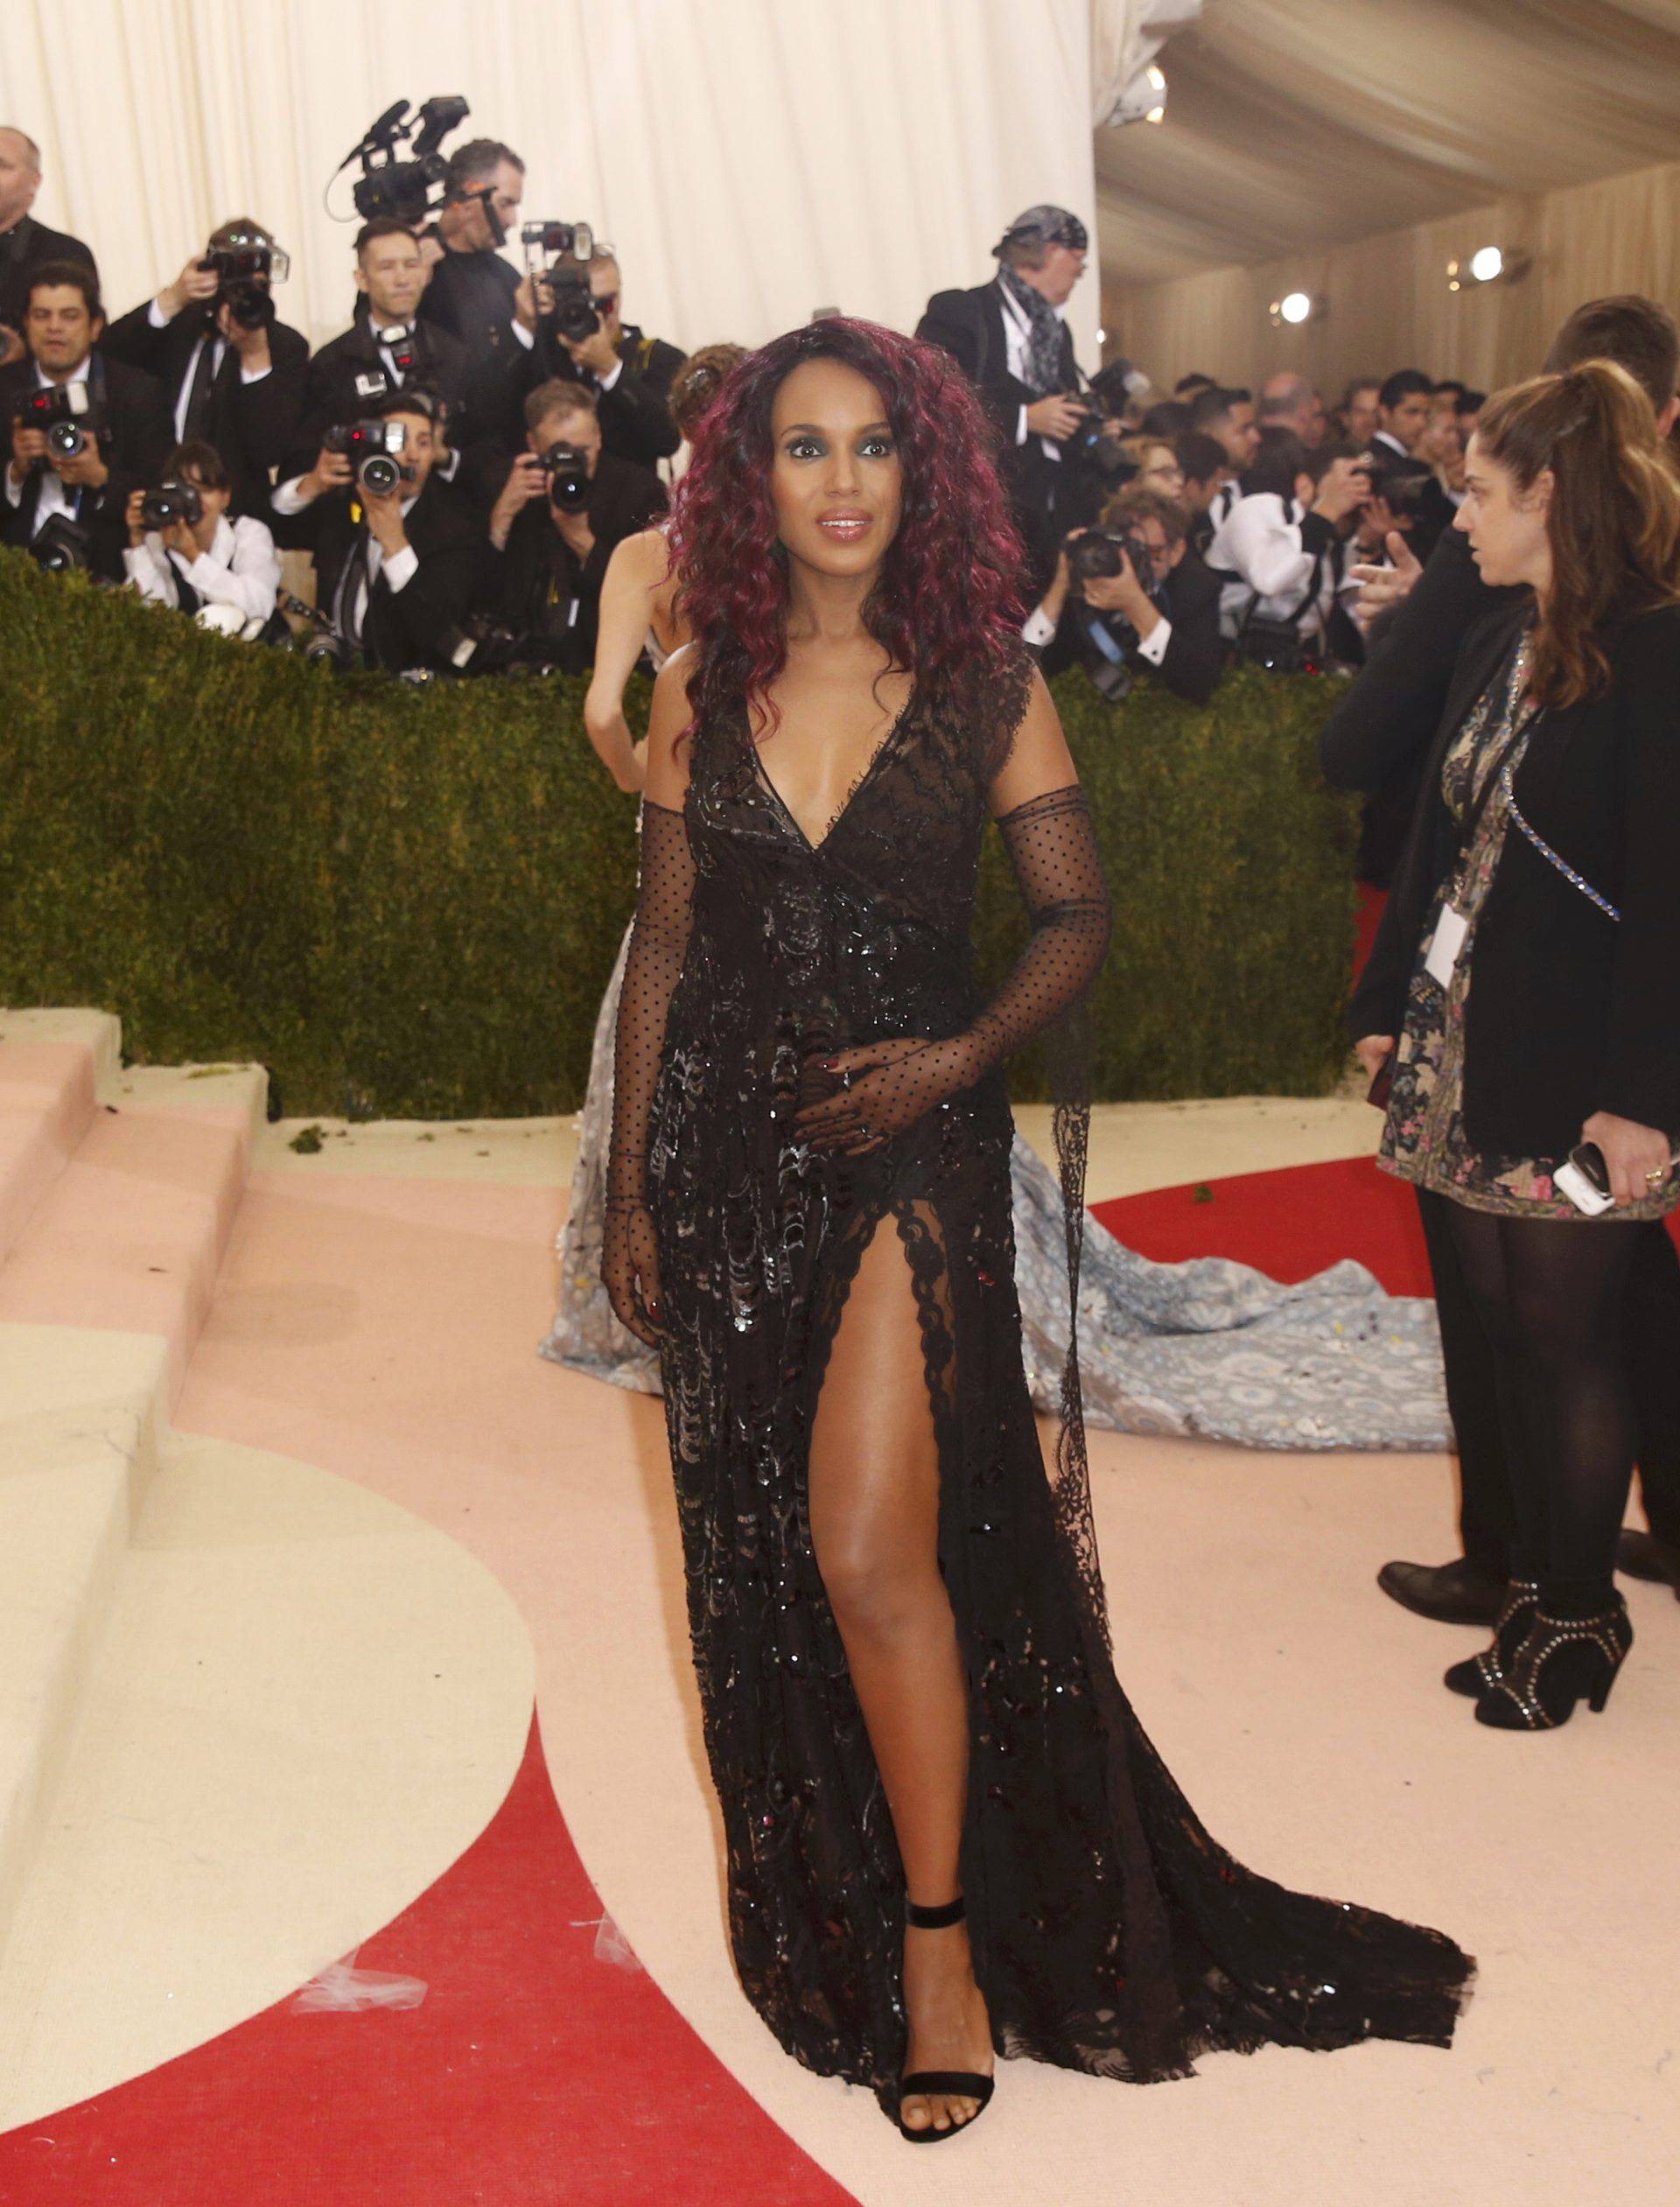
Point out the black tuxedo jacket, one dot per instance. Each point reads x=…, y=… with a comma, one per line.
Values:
x=348, y=377
x=23, y=249
x=140, y=439
x=412, y=627
x=252, y=425
x=971, y=327
x=1195, y=658
x=1571, y=1012
x=636, y=414
x=530, y=583
x=471, y=296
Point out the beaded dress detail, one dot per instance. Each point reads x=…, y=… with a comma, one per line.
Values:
x=1109, y=1933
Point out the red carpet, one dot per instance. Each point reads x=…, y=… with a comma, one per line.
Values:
x=1290, y=1224
x=531, y=2074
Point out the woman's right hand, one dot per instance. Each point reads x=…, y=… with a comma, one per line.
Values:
x=1372, y=1052
x=630, y=1271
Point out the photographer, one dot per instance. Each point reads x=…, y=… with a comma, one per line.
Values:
x=84, y=430
x=184, y=550
x=1207, y=470
x=232, y=374
x=25, y=244
x=477, y=297
x=385, y=349
x=1166, y=621
x=1011, y=339
x=394, y=568
x=629, y=374
x=1281, y=551
x=565, y=506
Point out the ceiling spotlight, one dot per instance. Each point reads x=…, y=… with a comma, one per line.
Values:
x=1157, y=80
x=1488, y=264
x=1294, y=308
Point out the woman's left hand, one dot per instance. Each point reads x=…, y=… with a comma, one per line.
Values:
x=885, y=1087
x=1633, y=1154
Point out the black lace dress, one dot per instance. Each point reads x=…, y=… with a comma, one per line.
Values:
x=1109, y=1933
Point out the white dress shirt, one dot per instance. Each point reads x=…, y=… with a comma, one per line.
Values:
x=54, y=495
x=1259, y=541
x=160, y=320
x=241, y=569
x=1016, y=328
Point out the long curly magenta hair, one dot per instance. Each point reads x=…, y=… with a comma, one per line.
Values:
x=946, y=604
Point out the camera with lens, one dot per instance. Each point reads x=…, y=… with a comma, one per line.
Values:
x=243, y=274
x=172, y=502
x=411, y=189
x=568, y=471
x=67, y=414
x=1091, y=444
x=574, y=314
x=60, y=544
x=371, y=449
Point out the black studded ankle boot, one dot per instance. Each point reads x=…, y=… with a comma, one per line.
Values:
x=1560, y=1661
x=1479, y=1674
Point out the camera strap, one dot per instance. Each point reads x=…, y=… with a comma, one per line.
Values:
x=1290, y=620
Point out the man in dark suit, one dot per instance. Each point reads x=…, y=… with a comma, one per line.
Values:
x=1010, y=341
x=629, y=373
x=232, y=381
x=1386, y=725
x=1167, y=624
x=477, y=296
x=121, y=411
x=544, y=561
x=25, y=243
x=394, y=572
x=386, y=348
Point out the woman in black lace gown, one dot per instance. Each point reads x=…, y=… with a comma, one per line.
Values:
x=897, y=1612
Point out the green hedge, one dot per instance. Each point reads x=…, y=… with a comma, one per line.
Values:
x=405, y=900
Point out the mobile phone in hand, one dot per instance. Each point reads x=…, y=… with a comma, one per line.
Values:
x=1585, y=1178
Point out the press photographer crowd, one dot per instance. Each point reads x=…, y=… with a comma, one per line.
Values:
x=463, y=465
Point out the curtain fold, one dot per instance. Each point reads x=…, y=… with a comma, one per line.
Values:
x=751, y=159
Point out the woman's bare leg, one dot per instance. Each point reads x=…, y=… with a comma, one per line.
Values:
x=874, y=1506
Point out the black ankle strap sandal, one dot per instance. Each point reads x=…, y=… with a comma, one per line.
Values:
x=964, y=2083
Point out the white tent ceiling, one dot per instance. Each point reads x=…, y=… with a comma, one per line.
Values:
x=1295, y=122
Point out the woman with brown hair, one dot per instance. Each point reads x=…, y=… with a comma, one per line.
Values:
x=1540, y=890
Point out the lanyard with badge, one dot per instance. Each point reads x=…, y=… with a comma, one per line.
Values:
x=1454, y=925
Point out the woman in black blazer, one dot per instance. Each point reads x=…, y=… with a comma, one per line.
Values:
x=1529, y=964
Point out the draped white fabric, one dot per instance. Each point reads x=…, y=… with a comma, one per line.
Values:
x=751, y=159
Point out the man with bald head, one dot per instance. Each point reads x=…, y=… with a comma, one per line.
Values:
x=25, y=243
x=1289, y=402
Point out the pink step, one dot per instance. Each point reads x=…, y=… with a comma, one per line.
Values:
x=47, y=1105
x=131, y=1234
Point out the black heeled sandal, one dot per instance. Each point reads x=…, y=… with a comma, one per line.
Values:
x=1561, y=1661
x=1479, y=1674
x=964, y=2083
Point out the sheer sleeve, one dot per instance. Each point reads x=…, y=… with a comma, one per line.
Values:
x=1052, y=847
x=659, y=941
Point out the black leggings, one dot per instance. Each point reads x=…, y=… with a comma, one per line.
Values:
x=1548, y=1292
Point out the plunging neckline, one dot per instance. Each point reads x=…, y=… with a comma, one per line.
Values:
x=851, y=795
